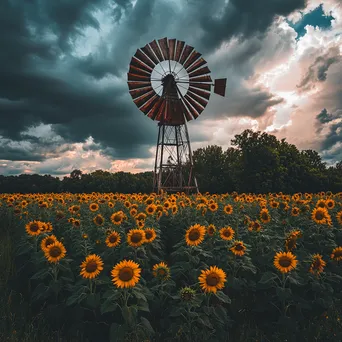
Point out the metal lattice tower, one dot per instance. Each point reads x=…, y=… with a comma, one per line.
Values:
x=170, y=82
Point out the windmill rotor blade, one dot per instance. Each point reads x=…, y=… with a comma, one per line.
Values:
x=201, y=93
x=155, y=108
x=156, y=50
x=186, y=53
x=192, y=110
x=135, y=77
x=199, y=85
x=195, y=104
x=144, y=98
x=138, y=71
x=196, y=65
x=161, y=110
x=185, y=110
x=203, y=102
x=164, y=48
x=150, y=103
x=199, y=72
x=142, y=57
x=138, y=85
x=172, y=49
x=139, y=92
x=206, y=79
x=150, y=54
x=179, y=49
x=193, y=57
x=138, y=64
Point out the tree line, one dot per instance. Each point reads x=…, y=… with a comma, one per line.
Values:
x=257, y=162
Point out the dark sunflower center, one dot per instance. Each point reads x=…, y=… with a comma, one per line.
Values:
x=264, y=216
x=316, y=264
x=49, y=242
x=194, y=235
x=285, y=262
x=136, y=237
x=239, y=248
x=113, y=238
x=99, y=220
x=321, y=205
x=34, y=227
x=227, y=233
x=161, y=271
x=117, y=218
x=213, y=279
x=148, y=235
x=126, y=274
x=319, y=215
x=211, y=231
x=338, y=254
x=55, y=252
x=91, y=266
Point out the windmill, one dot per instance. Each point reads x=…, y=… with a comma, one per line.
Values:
x=170, y=82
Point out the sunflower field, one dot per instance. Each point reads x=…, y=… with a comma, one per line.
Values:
x=174, y=267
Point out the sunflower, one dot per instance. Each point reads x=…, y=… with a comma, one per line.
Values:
x=195, y=235
x=136, y=237
x=93, y=207
x=117, y=218
x=76, y=223
x=55, y=252
x=274, y=204
x=339, y=217
x=228, y=209
x=99, y=220
x=211, y=229
x=295, y=211
x=161, y=271
x=321, y=203
x=317, y=264
x=254, y=226
x=212, y=279
x=174, y=209
x=330, y=203
x=126, y=274
x=187, y=294
x=91, y=266
x=213, y=206
x=33, y=228
x=47, y=241
x=285, y=261
x=150, y=234
x=113, y=239
x=336, y=254
x=238, y=248
x=227, y=233
x=150, y=209
x=265, y=216
x=319, y=215
x=133, y=212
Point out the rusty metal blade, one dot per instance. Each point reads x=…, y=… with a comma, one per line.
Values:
x=138, y=71
x=164, y=48
x=179, y=49
x=134, y=77
x=140, y=55
x=195, y=104
x=193, y=57
x=138, y=64
x=206, y=78
x=156, y=50
x=138, y=85
x=149, y=53
x=150, y=103
x=201, y=93
x=161, y=110
x=186, y=53
x=186, y=111
x=196, y=65
x=203, y=102
x=220, y=86
x=200, y=72
x=144, y=98
x=172, y=49
x=139, y=92
x=200, y=85
x=192, y=110
x=155, y=108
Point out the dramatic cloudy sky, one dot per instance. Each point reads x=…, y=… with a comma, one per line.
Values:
x=64, y=101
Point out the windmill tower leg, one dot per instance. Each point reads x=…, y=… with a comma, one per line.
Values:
x=173, y=171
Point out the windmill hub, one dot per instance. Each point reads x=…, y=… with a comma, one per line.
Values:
x=170, y=82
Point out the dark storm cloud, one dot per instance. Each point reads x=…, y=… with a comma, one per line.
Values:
x=43, y=81
x=317, y=72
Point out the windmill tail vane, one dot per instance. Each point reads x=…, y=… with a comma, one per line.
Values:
x=170, y=82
